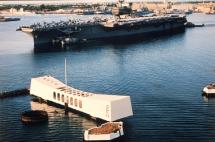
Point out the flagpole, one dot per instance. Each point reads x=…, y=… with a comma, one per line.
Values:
x=65, y=74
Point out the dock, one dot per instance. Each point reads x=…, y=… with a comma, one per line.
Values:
x=14, y=93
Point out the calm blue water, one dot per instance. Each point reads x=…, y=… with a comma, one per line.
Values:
x=163, y=75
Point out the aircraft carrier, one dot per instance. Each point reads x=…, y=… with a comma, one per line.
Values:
x=121, y=25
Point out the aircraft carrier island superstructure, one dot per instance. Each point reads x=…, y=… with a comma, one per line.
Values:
x=118, y=26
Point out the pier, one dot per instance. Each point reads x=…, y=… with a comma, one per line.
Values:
x=14, y=93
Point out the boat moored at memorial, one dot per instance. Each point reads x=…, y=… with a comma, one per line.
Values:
x=106, y=132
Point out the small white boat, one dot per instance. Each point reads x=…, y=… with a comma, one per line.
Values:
x=209, y=90
x=106, y=132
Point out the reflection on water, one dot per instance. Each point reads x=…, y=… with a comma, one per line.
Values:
x=55, y=113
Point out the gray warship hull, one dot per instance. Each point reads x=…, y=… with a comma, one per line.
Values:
x=57, y=38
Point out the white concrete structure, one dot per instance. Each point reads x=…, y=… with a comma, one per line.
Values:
x=104, y=137
x=106, y=107
x=15, y=12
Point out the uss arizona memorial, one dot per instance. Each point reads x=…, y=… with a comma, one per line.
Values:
x=105, y=107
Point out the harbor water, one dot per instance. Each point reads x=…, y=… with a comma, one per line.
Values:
x=164, y=77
